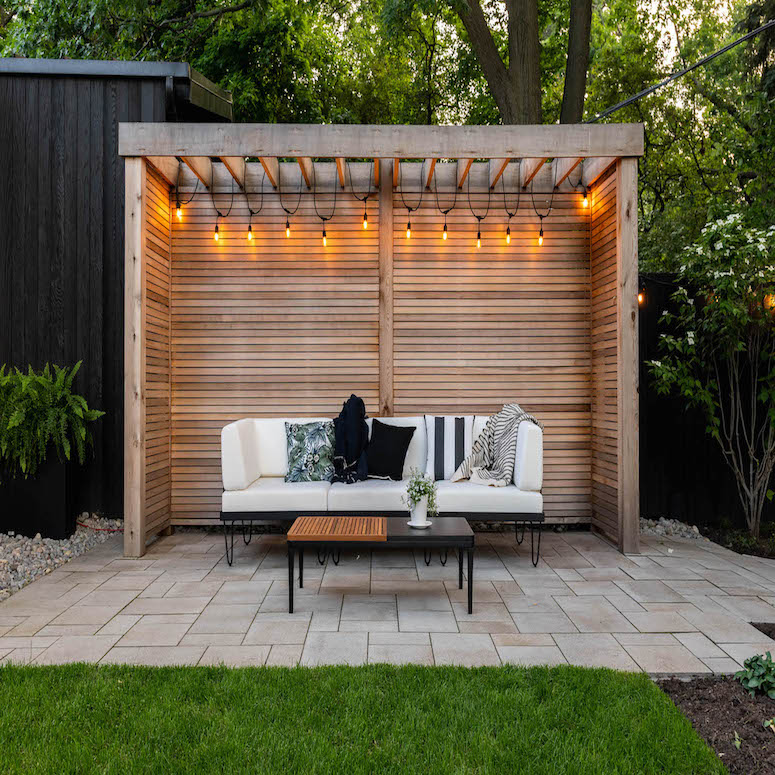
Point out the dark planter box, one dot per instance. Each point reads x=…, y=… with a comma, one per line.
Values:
x=44, y=503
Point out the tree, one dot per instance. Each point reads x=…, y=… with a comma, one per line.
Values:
x=718, y=349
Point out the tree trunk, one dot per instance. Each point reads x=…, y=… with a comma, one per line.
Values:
x=577, y=63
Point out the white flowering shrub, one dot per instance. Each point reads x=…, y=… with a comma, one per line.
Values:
x=717, y=349
x=421, y=486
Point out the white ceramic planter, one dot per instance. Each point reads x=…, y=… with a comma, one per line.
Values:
x=419, y=513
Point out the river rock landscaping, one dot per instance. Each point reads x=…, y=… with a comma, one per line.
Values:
x=664, y=526
x=23, y=559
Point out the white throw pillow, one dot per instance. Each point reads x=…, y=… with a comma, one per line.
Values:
x=450, y=440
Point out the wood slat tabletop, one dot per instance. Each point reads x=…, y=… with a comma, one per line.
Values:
x=339, y=529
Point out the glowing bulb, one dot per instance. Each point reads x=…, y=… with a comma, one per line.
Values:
x=769, y=301
x=250, y=232
x=179, y=211
x=408, y=229
x=478, y=239
x=287, y=228
x=586, y=200
x=324, y=238
x=508, y=235
x=541, y=236
x=640, y=298
x=365, y=220
x=215, y=233
x=444, y=233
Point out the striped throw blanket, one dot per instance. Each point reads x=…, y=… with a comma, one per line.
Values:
x=492, y=457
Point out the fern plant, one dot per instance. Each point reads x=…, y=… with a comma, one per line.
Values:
x=39, y=411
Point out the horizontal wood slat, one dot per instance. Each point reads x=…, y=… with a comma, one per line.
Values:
x=338, y=528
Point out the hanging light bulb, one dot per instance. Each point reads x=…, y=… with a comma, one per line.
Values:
x=444, y=233
x=365, y=218
x=586, y=199
x=408, y=229
x=479, y=238
x=179, y=211
x=324, y=237
x=508, y=235
x=541, y=233
x=641, y=296
x=215, y=232
x=250, y=232
x=287, y=228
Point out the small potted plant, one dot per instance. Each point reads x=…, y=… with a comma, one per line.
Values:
x=43, y=426
x=420, y=498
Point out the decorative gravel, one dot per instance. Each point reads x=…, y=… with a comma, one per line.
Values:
x=24, y=559
x=669, y=527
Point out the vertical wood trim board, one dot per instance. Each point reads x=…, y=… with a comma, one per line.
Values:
x=477, y=328
x=604, y=312
x=134, y=357
x=271, y=327
x=627, y=352
x=158, y=474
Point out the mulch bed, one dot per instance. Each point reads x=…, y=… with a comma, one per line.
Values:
x=718, y=707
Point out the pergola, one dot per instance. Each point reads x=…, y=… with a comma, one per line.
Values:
x=235, y=307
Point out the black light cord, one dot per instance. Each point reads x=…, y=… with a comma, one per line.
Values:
x=247, y=200
x=231, y=203
x=352, y=188
x=314, y=195
x=422, y=189
x=280, y=192
x=479, y=218
x=519, y=193
x=551, y=198
x=178, y=202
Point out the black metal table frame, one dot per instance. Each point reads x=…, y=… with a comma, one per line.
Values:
x=461, y=544
x=247, y=520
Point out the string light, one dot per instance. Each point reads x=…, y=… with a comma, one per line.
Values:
x=479, y=238
x=549, y=208
x=444, y=211
x=250, y=232
x=508, y=235
x=288, y=212
x=324, y=237
x=586, y=198
x=444, y=233
x=364, y=198
x=641, y=297
x=215, y=231
x=408, y=229
x=287, y=226
x=409, y=209
x=323, y=218
x=479, y=218
x=254, y=213
x=541, y=231
x=179, y=210
x=219, y=214
x=178, y=203
x=365, y=218
x=505, y=204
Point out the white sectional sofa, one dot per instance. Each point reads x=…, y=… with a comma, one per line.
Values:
x=254, y=459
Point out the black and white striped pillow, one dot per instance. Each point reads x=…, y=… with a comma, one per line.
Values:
x=449, y=441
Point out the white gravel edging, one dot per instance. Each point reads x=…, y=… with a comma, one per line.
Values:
x=664, y=526
x=24, y=559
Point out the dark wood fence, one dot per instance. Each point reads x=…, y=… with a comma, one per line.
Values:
x=682, y=473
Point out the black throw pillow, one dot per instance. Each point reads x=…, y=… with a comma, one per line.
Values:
x=387, y=449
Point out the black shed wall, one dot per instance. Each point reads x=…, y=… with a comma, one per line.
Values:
x=62, y=243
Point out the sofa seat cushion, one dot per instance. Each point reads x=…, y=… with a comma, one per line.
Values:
x=275, y=494
x=371, y=495
x=472, y=498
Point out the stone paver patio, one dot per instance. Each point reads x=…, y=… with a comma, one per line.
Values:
x=681, y=606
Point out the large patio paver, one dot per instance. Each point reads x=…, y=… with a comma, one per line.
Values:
x=333, y=648
x=464, y=649
x=595, y=650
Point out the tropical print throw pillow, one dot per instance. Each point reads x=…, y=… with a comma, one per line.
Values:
x=310, y=451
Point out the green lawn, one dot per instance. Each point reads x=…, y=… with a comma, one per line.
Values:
x=342, y=720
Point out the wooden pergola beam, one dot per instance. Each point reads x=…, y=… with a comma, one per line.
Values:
x=376, y=172
x=381, y=141
x=563, y=168
x=236, y=167
x=497, y=168
x=166, y=166
x=202, y=167
x=340, y=171
x=272, y=169
x=529, y=169
x=463, y=167
x=396, y=172
x=306, y=169
x=430, y=165
x=594, y=169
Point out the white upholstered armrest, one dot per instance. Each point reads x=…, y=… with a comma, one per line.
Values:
x=239, y=454
x=529, y=462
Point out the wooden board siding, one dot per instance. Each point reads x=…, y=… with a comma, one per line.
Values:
x=158, y=475
x=605, y=423
x=477, y=328
x=276, y=326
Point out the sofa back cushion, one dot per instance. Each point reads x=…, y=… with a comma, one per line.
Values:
x=272, y=445
x=417, y=454
x=239, y=455
x=449, y=440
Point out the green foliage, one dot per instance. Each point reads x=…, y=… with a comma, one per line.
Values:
x=718, y=348
x=38, y=410
x=758, y=675
x=421, y=486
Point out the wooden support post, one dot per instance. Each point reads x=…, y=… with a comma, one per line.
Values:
x=236, y=167
x=463, y=166
x=340, y=171
x=134, y=357
x=386, y=289
x=627, y=351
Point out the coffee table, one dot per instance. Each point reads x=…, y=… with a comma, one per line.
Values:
x=333, y=532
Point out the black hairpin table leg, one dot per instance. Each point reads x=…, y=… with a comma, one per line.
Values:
x=290, y=579
x=301, y=566
x=470, y=581
x=460, y=569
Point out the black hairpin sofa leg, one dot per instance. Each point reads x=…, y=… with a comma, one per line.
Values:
x=535, y=550
x=228, y=531
x=520, y=536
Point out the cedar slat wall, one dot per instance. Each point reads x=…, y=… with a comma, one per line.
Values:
x=280, y=326
x=604, y=359
x=157, y=354
x=477, y=328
